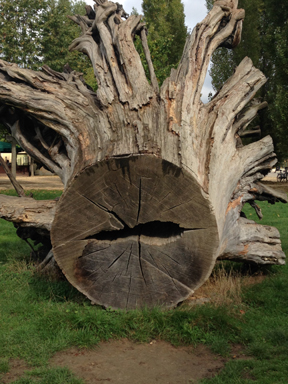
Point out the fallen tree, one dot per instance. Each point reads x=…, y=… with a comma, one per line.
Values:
x=155, y=180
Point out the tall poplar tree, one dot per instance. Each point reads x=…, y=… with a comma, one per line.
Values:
x=264, y=39
x=166, y=20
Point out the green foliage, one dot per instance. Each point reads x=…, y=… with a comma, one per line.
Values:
x=59, y=32
x=264, y=40
x=21, y=24
x=39, y=31
x=38, y=194
x=49, y=376
x=167, y=33
x=159, y=50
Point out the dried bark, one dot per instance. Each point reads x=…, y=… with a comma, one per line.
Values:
x=139, y=162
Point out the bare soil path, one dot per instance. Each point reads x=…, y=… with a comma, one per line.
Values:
x=54, y=182
x=30, y=183
x=125, y=362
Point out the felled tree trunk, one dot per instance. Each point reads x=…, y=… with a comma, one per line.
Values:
x=155, y=180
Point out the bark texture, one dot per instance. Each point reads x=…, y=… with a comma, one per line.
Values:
x=155, y=180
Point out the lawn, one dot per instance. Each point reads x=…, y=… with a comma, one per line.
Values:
x=39, y=317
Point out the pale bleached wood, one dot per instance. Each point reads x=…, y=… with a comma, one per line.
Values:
x=247, y=241
x=27, y=212
x=149, y=61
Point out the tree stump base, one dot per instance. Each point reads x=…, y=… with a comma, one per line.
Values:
x=148, y=236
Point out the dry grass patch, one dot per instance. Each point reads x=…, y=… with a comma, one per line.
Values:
x=224, y=286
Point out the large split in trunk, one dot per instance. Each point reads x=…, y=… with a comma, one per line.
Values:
x=155, y=180
x=147, y=235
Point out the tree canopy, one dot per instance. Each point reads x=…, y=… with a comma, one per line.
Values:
x=167, y=33
x=264, y=40
x=21, y=24
x=36, y=32
x=59, y=32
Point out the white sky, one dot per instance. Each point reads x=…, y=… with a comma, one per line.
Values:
x=195, y=11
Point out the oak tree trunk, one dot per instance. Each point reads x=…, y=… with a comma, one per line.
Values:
x=155, y=180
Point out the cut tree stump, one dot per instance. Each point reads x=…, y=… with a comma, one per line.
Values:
x=154, y=179
x=148, y=235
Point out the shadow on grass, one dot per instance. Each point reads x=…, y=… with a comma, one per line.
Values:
x=44, y=288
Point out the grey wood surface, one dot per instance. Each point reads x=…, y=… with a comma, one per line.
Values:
x=140, y=233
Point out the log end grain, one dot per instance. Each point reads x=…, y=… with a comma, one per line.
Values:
x=135, y=232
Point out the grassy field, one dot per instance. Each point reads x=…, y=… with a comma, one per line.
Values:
x=39, y=317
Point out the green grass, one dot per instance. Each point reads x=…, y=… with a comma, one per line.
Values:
x=37, y=194
x=12, y=247
x=39, y=317
x=49, y=376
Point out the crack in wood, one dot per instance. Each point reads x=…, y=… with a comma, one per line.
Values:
x=91, y=253
x=178, y=205
x=119, y=193
x=140, y=261
x=166, y=274
x=106, y=210
x=170, y=257
x=128, y=261
x=117, y=258
x=139, y=199
x=153, y=229
x=160, y=201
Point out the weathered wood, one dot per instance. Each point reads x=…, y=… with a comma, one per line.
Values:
x=148, y=236
x=153, y=78
x=28, y=212
x=155, y=180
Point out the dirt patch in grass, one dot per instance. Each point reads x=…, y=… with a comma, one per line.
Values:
x=126, y=362
x=122, y=361
x=17, y=370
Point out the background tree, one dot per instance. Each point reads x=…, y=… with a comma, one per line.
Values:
x=275, y=36
x=167, y=33
x=264, y=39
x=21, y=24
x=58, y=32
x=37, y=31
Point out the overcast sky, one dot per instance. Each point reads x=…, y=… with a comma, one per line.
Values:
x=195, y=11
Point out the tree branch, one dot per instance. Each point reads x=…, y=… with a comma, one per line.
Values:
x=116, y=63
x=153, y=78
x=28, y=212
x=18, y=188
